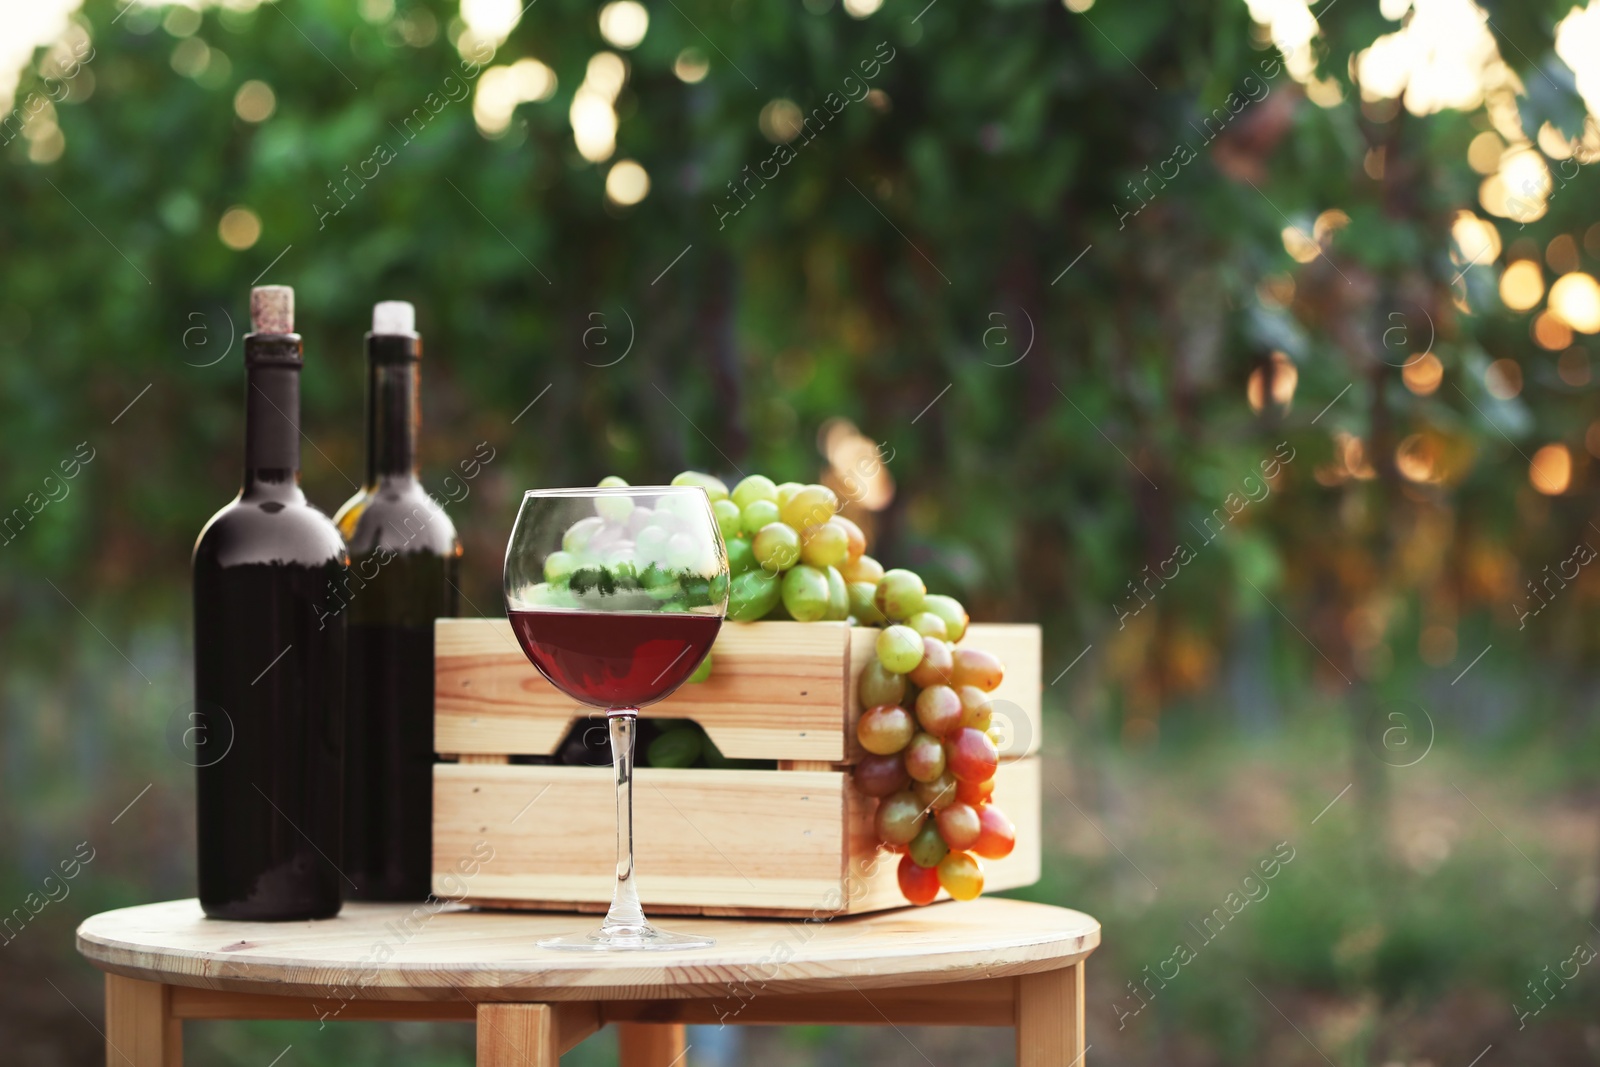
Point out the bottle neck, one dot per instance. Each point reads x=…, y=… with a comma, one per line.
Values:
x=393, y=412
x=272, y=413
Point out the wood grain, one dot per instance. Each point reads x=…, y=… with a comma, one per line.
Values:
x=1050, y=1018
x=374, y=952
x=551, y=831
x=517, y=1035
x=981, y=1002
x=650, y=1045
x=141, y=1030
x=777, y=690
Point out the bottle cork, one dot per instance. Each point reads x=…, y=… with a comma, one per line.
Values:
x=272, y=309
x=394, y=316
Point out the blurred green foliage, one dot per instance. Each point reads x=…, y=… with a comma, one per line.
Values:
x=952, y=265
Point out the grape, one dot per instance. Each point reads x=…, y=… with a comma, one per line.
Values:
x=754, y=487
x=937, y=794
x=786, y=492
x=559, y=565
x=862, y=606
x=617, y=507
x=959, y=826
x=885, y=729
x=825, y=545
x=777, y=547
x=702, y=672
x=900, y=648
x=811, y=506
x=974, y=666
x=878, y=685
x=857, y=540
x=939, y=710
x=928, y=624
x=741, y=557
x=728, y=518
x=950, y=610
x=975, y=709
x=996, y=836
x=972, y=755
x=756, y=514
x=975, y=793
x=577, y=538
x=927, y=848
x=675, y=747
x=900, y=594
x=924, y=758
x=960, y=876
x=862, y=569
x=935, y=666
x=710, y=483
x=651, y=545
x=919, y=885
x=805, y=593
x=639, y=519
x=683, y=552
x=878, y=776
x=753, y=594
x=899, y=818
x=838, y=596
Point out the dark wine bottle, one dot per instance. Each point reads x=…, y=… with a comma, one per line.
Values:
x=269, y=660
x=405, y=559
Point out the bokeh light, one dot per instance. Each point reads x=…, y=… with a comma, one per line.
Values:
x=255, y=101
x=1575, y=300
x=1550, y=470
x=239, y=229
x=1522, y=285
x=1503, y=379
x=1423, y=375
x=627, y=183
x=501, y=89
x=691, y=66
x=623, y=23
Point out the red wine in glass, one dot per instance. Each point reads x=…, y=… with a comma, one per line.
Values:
x=615, y=659
x=616, y=594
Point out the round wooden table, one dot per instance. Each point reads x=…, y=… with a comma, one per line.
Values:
x=990, y=962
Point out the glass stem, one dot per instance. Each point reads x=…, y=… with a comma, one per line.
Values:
x=625, y=910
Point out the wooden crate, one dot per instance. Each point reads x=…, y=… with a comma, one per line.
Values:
x=796, y=841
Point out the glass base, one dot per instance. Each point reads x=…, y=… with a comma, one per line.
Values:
x=626, y=937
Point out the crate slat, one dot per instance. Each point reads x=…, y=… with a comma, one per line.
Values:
x=714, y=842
x=704, y=838
x=777, y=690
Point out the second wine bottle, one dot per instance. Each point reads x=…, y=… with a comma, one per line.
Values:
x=404, y=559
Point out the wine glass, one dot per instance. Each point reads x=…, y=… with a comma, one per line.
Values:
x=616, y=595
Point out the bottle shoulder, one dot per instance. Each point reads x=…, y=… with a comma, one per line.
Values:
x=400, y=516
x=247, y=531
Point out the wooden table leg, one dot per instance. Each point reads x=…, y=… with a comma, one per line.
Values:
x=140, y=1028
x=1050, y=1018
x=650, y=1044
x=517, y=1035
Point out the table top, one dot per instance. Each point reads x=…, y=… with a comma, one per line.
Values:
x=426, y=952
